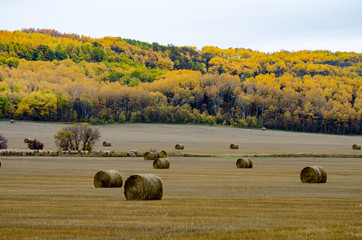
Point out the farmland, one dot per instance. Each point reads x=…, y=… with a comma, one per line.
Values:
x=204, y=197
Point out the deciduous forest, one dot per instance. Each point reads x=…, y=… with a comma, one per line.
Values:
x=50, y=76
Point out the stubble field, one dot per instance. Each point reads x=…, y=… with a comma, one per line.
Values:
x=204, y=197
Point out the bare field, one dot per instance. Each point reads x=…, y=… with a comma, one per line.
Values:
x=204, y=198
x=196, y=139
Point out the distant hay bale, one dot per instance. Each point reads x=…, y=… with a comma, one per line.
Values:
x=65, y=152
x=234, y=146
x=97, y=152
x=263, y=128
x=150, y=156
x=107, y=144
x=12, y=121
x=131, y=154
x=28, y=140
x=356, y=147
x=161, y=163
x=143, y=187
x=108, y=179
x=154, y=155
x=313, y=174
x=179, y=146
x=244, y=163
x=134, y=151
x=162, y=154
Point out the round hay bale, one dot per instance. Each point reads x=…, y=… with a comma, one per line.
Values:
x=234, y=146
x=179, y=146
x=244, y=163
x=12, y=121
x=131, y=154
x=150, y=156
x=263, y=128
x=162, y=154
x=28, y=140
x=107, y=144
x=313, y=174
x=108, y=179
x=143, y=187
x=161, y=163
x=134, y=151
x=356, y=147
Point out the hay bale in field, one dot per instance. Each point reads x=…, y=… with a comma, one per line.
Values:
x=131, y=154
x=244, y=163
x=179, y=146
x=263, y=128
x=107, y=144
x=28, y=140
x=234, y=146
x=356, y=147
x=134, y=151
x=150, y=155
x=161, y=163
x=65, y=152
x=313, y=174
x=12, y=121
x=143, y=187
x=108, y=179
x=154, y=155
x=162, y=154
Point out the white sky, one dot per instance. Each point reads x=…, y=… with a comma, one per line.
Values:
x=264, y=25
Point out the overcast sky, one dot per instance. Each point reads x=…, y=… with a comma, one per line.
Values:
x=264, y=25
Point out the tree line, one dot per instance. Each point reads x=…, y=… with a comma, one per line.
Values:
x=44, y=77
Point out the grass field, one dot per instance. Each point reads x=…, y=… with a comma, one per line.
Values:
x=204, y=198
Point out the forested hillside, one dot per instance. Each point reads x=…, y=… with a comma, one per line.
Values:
x=50, y=76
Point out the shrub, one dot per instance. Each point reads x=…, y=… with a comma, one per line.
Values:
x=35, y=145
x=3, y=142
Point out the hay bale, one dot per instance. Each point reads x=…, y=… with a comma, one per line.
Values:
x=234, y=146
x=150, y=156
x=263, y=128
x=161, y=163
x=313, y=174
x=162, y=154
x=143, y=187
x=179, y=146
x=108, y=179
x=131, y=154
x=134, y=151
x=107, y=144
x=12, y=121
x=356, y=147
x=244, y=163
x=28, y=140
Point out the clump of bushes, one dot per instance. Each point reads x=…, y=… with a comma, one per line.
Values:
x=35, y=145
x=3, y=142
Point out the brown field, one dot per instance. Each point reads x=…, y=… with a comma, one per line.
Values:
x=196, y=139
x=204, y=198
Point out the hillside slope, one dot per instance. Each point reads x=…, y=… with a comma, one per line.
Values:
x=47, y=75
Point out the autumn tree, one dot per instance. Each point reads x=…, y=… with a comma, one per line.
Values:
x=77, y=137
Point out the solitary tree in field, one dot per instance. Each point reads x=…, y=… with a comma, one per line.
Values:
x=3, y=142
x=77, y=137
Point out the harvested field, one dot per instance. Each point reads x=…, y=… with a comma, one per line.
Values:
x=203, y=198
x=199, y=139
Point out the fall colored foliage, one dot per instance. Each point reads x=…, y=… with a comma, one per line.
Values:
x=50, y=76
